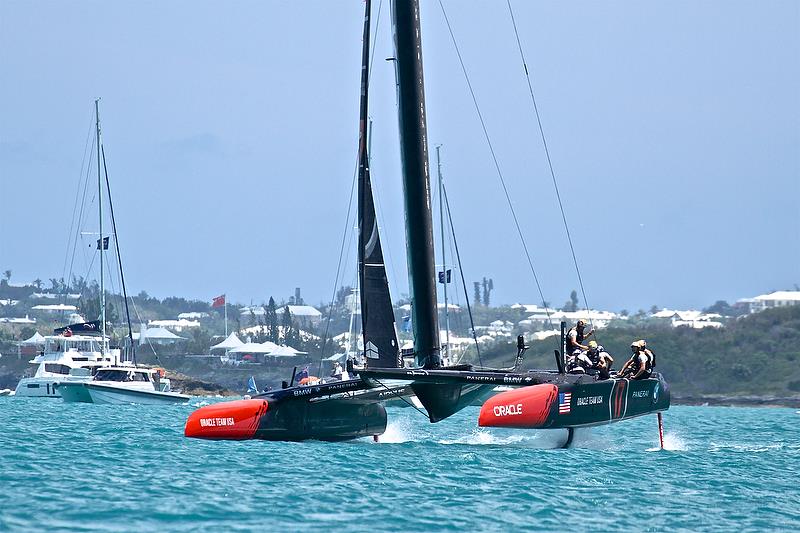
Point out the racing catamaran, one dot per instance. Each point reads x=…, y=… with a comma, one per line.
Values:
x=343, y=409
x=545, y=398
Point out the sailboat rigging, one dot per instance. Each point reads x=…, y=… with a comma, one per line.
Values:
x=548, y=399
x=122, y=381
x=343, y=409
x=346, y=409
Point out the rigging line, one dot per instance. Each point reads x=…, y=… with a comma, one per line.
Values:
x=119, y=256
x=423, y=413
x=461, y=271
x=81, y=213
x=496, y=163
x=549, y=161
x=75, y=205
x=338, y=268
x=347, y=221
x=141, y=332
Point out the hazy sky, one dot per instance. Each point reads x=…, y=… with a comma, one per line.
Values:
x=231, y=129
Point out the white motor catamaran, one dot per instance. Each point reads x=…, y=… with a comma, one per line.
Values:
x=67, y=357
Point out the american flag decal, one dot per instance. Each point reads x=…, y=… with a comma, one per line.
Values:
x=564, y=399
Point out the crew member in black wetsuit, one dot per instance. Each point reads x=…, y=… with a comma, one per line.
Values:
x=641, y=363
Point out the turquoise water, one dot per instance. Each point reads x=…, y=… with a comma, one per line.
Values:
x=126, y=468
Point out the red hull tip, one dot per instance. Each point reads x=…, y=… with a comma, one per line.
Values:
x=237, y=420
x=526, y=407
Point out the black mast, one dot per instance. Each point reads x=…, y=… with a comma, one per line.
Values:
x=377, y=315
x=416, y=180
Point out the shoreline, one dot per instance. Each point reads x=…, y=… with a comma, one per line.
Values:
x=724, y=400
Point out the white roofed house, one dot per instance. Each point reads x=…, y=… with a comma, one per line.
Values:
x=302, y=314
x=773, y=300
x=194, y=315
x=177, y=325
x=546, y=318
x=690, y=318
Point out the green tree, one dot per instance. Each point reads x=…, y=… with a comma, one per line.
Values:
x=287, y=327
x=572, y=305
x=7, y=275
x=488, y=287
x=271, y=321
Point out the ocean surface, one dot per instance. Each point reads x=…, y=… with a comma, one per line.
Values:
x=85, y=467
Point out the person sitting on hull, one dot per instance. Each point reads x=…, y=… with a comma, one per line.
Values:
x=641, y=363
x=577, y=361
x=601, y=360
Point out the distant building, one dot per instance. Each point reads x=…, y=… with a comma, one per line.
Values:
x=771, y=300
x=301, y=313
x=54, y=296
x=177, y=325
x=193, y=315
x=690, y=318
x=544, y=317
x=54, y=308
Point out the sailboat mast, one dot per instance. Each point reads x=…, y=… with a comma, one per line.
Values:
x=363, y=169
x=416, y=180
x=101, y=243
x=444, y=256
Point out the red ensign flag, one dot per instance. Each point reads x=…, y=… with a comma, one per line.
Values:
x=219, y=301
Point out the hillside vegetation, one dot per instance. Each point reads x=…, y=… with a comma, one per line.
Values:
x=758, y=354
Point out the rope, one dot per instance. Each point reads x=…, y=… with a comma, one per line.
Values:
x=74, y=210
x=549, y=161
x=119, y=255
x=464, y=283
x=496, y=163
x=417, y=409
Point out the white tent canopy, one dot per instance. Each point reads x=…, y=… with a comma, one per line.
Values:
x=156, y=334
x=36, y=338
x=285, y=351
x=228, y=344
x=253, y=347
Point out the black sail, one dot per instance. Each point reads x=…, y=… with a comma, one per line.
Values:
x=416, y=180
x=377, y=314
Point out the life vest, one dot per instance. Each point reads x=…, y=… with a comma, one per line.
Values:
x=578, y=338
x=636, y=362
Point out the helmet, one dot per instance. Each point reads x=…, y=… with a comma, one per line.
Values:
x=592, y=345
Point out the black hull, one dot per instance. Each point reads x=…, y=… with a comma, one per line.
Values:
x=575, y=405
x=445, y=392
x=338, y=411
x=332, y=419
x=608, y=401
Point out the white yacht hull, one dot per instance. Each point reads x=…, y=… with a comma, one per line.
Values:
x=43, y=387
x=74, y=392
x=116, y=394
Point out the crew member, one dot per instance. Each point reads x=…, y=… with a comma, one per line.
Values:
x=575, y=338
x=601, y=360
x=641, y=363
